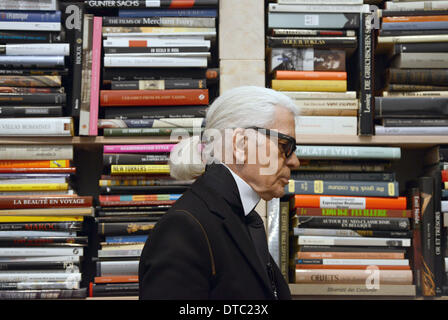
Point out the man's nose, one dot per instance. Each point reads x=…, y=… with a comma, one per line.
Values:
x=293, y=162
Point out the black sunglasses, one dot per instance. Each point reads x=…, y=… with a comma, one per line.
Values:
x=286, y=143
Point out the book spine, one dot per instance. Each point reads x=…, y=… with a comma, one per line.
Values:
x=419, y=47
x=172, y=4
x=31, y=81
x=95, y=81
x=159, y=22
x=345, y=176
x=427, y=25
x=158, y=84
x=313, y=32
x=380, y=130
x=313, y=20
x=116, y=279
x=41, y=241
x=366, y=65
x=139, y=169
x=44, y=202
x=35, y=98
x=32, y=61
x=426, y=187
x=338, y=202
x=322, y=42
x=31, y=90
x=109, y=159
x=417, y=76
x=142, y=189
x=319, y=2
x=142, y=148
x=273, y=7
x=33, y=187
x=51, y=152
x=7, y=36
x=87, y=45
x=113, y=268
x=365, y=213
x=110, y=132
x=25, y=16
x=41, y=5
x=351, y=233
x=38, y=285
x=73, y=22
x=310, y=85
x=154, y=112
x=420, y=60
x=25, y=26
x=350, y=241
x=349, y=255
x=310, y=75
x=34, y=163
x=374, y=224
x=107, y=203
x=345, y=188
x=326, y=125
x=347, y=152
x=30, y=111
x=112, y=290
x=391, y=277
x=153, y=97
x=47, y=226
x=43, y=294
x=351, y=262
x=212, y=13
x=41, y=251
x=150, y=62
x=152, y=123
x=110, y=229
x=35, y=49
x=415, y=122
x=36, y=126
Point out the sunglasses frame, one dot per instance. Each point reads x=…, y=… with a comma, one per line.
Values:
x=291, y=142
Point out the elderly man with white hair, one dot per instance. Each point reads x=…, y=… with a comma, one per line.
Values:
x=211, y=244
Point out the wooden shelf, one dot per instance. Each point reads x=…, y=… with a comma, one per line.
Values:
x=400, y=141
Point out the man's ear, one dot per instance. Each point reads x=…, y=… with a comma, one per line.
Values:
x=239, y=141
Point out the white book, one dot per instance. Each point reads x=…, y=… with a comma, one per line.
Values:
x=28, y=181
x=328, y=104
x=159, y=37
x=58, y=126
x=353, y=241
x=35, y=193
x=352, y=290
x=160, y=54
x=40, y=61
x=30, y=26
x=415, y=94
x=356, y=8
x=36, y=49
x=41, y=5
x=41, y=251
x=444, y=206
x=362, y=262
x=173, y=42
x=415, y=39
x=155, y=62
x=307, y=95
x=73, y=259
x=119, y=253
x=35, y=276
x=18, y=234
x=29, y=152
x=415, y=5
x=326, y=125
x=406, y=131
x=46, y=285
x=315, y=2
x=205, y=33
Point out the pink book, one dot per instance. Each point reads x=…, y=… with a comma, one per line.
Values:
x=138, y=148
x=95, y=80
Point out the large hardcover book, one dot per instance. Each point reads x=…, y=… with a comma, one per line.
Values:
x=356, y=223
x=400, y=107
x=417, y=76
x=381, y=213
x=36, y=126
x=160, y=22
x=87, y=45
x=30, y=152
x=313, y=20
x=96, y=73
x=347, y=152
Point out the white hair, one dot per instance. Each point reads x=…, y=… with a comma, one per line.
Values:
x=240, y=107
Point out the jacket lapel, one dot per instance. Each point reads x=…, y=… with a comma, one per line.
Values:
x=220, y=193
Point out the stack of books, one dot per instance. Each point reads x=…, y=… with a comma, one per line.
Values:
x=352, y=228
x=414, y=101
x=134, y=194
x=159, y=61
x=41, y=219
x=32, y=63
x=311, y=57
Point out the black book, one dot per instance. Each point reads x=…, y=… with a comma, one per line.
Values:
x=159, y=84
x=130, y=219
x=35, y=265
x=32, y=98
x=30, y=111
x=7, y=36
x=393, y=13
x=426, y=187
x=345, y=176
x=143, y=189
x=429, y=107
x=310, y=248
x=320, y=42
x=422, y=32
x=34, y=72
x=417, y=76
x=155, y=112
x=131, y=228
x=72, y=19
x=114, y=289
x=361, y=223
x=123, y=158
x=386, y=122
x=421, y=47
x=113, y=210
x=41, y=241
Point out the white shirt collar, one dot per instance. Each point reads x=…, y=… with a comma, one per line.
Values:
x=249, y=197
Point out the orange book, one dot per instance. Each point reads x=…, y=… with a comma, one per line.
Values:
x=310, y=75
x=318, y=201
x=415, y=19
x=444, y=175
x=116, y=279
x=347, y=267
x=34, y=163
x=350, y=255
x=179, y=97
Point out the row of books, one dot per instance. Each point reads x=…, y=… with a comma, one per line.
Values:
x=42, y=241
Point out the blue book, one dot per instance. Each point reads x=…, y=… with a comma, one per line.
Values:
x=120, y=239
x=444, y=193
x=168, y=13
x=427, y=25
x=30, y=16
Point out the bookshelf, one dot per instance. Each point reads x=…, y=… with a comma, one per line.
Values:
x=242, y=62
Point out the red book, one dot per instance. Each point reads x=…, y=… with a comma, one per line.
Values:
x=29, y=202
x=365, y=213
x=116, y=279
x=318, y=201
x=179, y=97
x=444, y=175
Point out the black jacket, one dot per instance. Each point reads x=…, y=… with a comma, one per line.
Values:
x=201, y=248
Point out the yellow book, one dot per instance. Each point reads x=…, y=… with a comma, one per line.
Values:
x=34, y=187
x=139, y=169
x=310, y=85
x=87, y=211
x=11, y=219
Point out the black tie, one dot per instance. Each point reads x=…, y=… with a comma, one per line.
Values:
x=257, y=233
